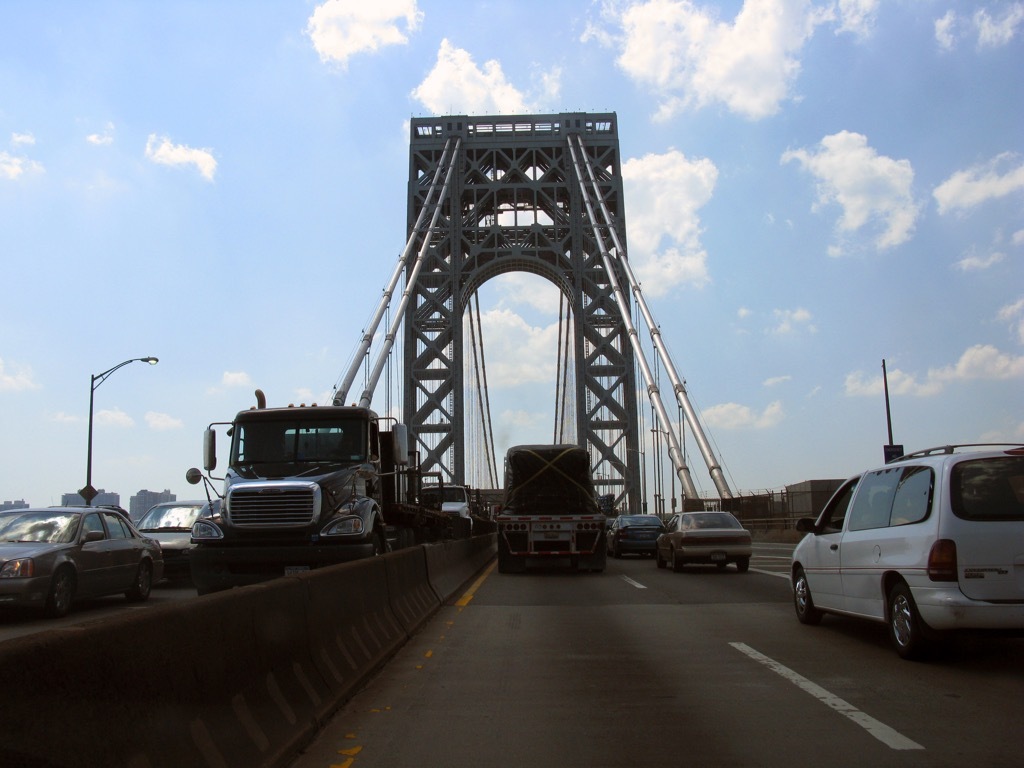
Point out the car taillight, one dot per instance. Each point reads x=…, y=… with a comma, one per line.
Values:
x=942, y=561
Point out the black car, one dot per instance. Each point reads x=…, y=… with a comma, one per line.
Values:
x=634, y=534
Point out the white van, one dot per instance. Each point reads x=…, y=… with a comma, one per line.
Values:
x=930, y=542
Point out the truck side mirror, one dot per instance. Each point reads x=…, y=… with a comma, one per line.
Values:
x=400, y=444
x=210, y=449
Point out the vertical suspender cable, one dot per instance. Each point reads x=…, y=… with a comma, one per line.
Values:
x=620, y=299
x=341, y=392
x=714, y=468
x=389, y=339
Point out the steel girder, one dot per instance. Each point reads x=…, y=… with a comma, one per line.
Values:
x=515, y=205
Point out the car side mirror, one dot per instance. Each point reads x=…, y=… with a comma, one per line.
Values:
x=93, y=536
x=806, y=525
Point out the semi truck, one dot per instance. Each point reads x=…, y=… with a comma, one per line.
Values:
x=306, y=487
x=549, y=512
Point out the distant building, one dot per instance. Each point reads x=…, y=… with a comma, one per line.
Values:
x=74, y=500
x=20, y=504
x=140, y=503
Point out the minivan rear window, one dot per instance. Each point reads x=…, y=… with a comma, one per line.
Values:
x=988, y=489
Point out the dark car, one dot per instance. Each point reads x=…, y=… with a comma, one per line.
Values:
x=50, y=557
x=634, y=534
x=171, y=523
x=715, y=538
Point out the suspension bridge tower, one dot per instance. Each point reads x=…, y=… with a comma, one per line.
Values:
x=539, y=194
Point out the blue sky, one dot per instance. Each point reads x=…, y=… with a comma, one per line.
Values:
x=810, y=188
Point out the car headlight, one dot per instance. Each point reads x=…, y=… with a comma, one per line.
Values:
x=18, y=569
x=204, y=530
x=344, y=526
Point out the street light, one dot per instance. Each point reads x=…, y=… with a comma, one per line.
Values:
x=88, y=492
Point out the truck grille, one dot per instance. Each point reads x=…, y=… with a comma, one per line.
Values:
x=276, y=508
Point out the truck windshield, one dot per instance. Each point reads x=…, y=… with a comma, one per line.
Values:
x=289, y=441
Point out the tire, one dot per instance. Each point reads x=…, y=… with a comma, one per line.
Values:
x=806, y=613
x=657, y=559
x=143, y=583
x=677, y=564
x=616, y=552
x=380, y=544
x=61, y=594
x=910, y=636
x=743, y=564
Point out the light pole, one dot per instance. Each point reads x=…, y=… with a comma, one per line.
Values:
x=88, y=492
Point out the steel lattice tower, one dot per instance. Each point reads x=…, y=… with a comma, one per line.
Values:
x=514, y=203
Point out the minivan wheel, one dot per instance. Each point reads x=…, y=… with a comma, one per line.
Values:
x=910, y=636
x=806, y=613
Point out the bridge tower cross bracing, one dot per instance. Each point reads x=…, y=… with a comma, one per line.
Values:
x=515, y=204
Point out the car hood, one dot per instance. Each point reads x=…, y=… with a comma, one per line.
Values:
x=171, y=539
x=14, y=550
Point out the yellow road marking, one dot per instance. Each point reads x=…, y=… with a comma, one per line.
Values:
x=463, y=601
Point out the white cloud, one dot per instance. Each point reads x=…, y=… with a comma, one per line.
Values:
x=13, y=167
x=456, y=85
x=980, y=362
x=857, y=16
x=163, y=152
x=235, y=379
x=1000, y=176
x=102, y=139
x=996, y=32
x=113, y=417
x=161, y=422
x=945, y=31
x=974, y=262
x=15, y=378
x=1014, y=315
x=340, y=29
x=517, y=352
x=60, y=417
x=691, y=59
x=23, y=139
x=775, y=380
x=990, y=31
x=789, y=321
x=663, y=196
x=736, y=416
x=867, y=186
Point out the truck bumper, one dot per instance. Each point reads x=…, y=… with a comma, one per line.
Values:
x=215, y=568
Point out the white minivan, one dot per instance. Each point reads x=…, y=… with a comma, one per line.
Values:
x=930, y=542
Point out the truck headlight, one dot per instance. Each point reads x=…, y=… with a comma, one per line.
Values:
x=204, y=530
x=343, y=526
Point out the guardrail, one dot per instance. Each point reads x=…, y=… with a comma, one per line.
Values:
x=239, y=678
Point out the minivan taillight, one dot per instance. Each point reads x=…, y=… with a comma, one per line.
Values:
x=942, y=561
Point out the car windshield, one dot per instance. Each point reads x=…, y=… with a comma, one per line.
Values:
x=286, y=441
x=178, y=517
x=710, y=520
x=988, y=489
x=435, y=496
x=42, y=527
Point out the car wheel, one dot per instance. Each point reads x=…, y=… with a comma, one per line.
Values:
x=380, y=545
x=910, y=636
x=802, y=601
x=743, y=564
x=143, y=583
x=61, y=594
x=677, y=562
x=616, y=552
x=657, y=559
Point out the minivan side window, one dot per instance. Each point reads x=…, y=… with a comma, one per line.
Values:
x=874, y=499
x=833, y=516
x=988, y=489
x=913, y=496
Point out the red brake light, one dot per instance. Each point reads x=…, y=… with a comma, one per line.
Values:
x=942, y=561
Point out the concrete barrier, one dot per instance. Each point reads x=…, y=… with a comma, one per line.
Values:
x=239, y=678
x=450, y=564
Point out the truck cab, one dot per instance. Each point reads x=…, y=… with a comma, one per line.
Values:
x=304, y=487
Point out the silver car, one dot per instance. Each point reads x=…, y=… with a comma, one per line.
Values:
x=170, y=523
x=53, y=556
